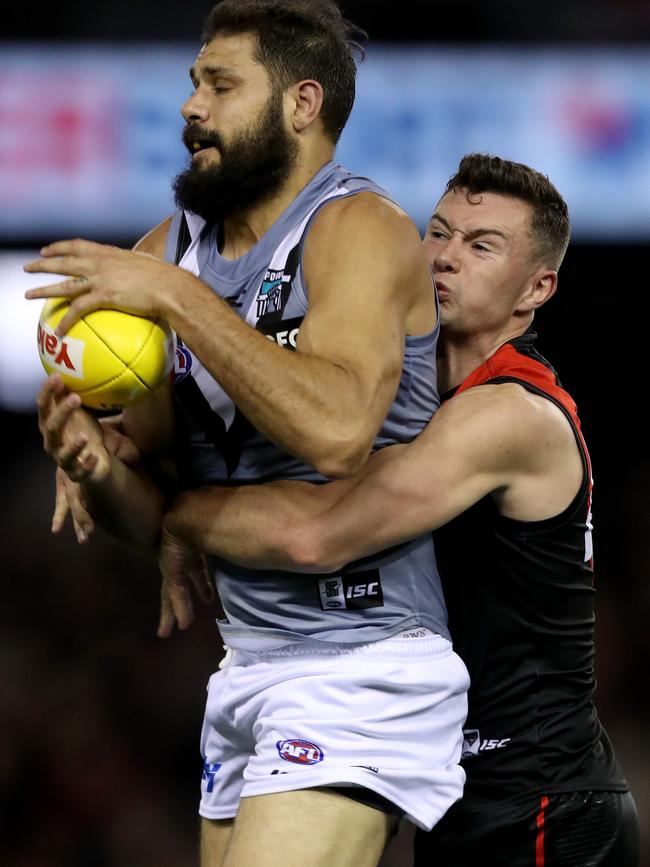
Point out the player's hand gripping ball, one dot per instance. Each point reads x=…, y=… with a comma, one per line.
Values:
x=110, y=358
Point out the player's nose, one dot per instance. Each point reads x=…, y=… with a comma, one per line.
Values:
x=446, y=257
x=195, y=108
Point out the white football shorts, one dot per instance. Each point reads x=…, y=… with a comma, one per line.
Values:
x=386, y=716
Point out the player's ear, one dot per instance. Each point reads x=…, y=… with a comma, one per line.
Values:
x=306, y=101
x=541, y=287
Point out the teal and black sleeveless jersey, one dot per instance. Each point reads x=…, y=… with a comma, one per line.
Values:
x=369, y=600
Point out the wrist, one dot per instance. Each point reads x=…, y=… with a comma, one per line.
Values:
x=186, y=293
x=172, y=522
x=98, y=477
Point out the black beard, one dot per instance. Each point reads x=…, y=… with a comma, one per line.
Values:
x=252, y=168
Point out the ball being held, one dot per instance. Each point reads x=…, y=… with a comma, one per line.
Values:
x=110, y=358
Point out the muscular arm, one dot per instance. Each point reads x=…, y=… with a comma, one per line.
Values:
x=125, y=500
x=366, y=272
x=325, y=402
x=494, y=440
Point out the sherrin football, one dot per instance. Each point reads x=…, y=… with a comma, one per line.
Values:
x=110, y=358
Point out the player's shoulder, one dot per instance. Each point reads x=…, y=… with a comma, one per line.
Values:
x=155, y=240
x=510, y=401
x=511, y=418
x=367, y=230
x=364, y=216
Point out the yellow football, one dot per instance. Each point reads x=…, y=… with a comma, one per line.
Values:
x=110, y=358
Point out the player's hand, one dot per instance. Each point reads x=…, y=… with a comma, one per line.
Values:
x=72, y=437
x=116, y=441
x=102, y=276
x=182, y=569
x=69, y=499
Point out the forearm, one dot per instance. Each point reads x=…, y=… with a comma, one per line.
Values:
x=314, y=408
x=127, y=504
x=380, y=512
x=251, y=526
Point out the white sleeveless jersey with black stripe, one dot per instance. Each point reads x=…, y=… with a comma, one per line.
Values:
x=368, y=600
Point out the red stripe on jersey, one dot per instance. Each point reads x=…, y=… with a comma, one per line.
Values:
x=512, y=361
x=539, y=842
x=509, y=361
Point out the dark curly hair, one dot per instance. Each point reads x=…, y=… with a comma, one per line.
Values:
x=297, y=40
x=482, y=173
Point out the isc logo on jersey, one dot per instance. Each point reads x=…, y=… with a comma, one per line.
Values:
x=354, y=591
x=473, y=745
x=300, y=752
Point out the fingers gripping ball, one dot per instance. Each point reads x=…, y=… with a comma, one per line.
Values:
x=110, y=358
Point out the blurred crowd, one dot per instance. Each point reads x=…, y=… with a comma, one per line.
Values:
x=100, y=719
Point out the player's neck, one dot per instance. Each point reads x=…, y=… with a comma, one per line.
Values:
x=243, y=230
x=459, y=354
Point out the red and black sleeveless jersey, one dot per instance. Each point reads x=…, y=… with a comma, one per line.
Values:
x=520, y=597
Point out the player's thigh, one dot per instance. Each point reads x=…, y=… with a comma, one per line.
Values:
x=307, y=828
x=215, y=836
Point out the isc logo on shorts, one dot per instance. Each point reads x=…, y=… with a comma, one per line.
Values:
x=353, y=591
x=300, y=752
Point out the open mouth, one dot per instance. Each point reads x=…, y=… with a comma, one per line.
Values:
x=199, y=145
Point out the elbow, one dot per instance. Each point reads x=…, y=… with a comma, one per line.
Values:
x=341, y=459
x=304, y=551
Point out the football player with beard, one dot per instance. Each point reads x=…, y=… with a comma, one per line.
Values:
x=307, y=327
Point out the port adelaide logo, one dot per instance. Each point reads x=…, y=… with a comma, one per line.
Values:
x=300, y=752
x=270, y=295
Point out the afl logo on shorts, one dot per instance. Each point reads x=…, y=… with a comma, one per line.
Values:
x=183, y=363
x=300, y=752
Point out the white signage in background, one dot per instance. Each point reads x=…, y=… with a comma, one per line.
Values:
x=21, y=373
x=90, y=139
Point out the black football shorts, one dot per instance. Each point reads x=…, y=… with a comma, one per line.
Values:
x=575, y=829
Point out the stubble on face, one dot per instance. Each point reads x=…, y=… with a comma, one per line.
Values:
x=252, y=167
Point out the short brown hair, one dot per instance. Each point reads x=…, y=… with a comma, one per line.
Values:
x=482, y=173
x=297, y=40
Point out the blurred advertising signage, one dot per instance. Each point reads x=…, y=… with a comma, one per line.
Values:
x=90, y=139
x=582, y=117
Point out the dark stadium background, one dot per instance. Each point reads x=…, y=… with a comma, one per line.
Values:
x=99, y=719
